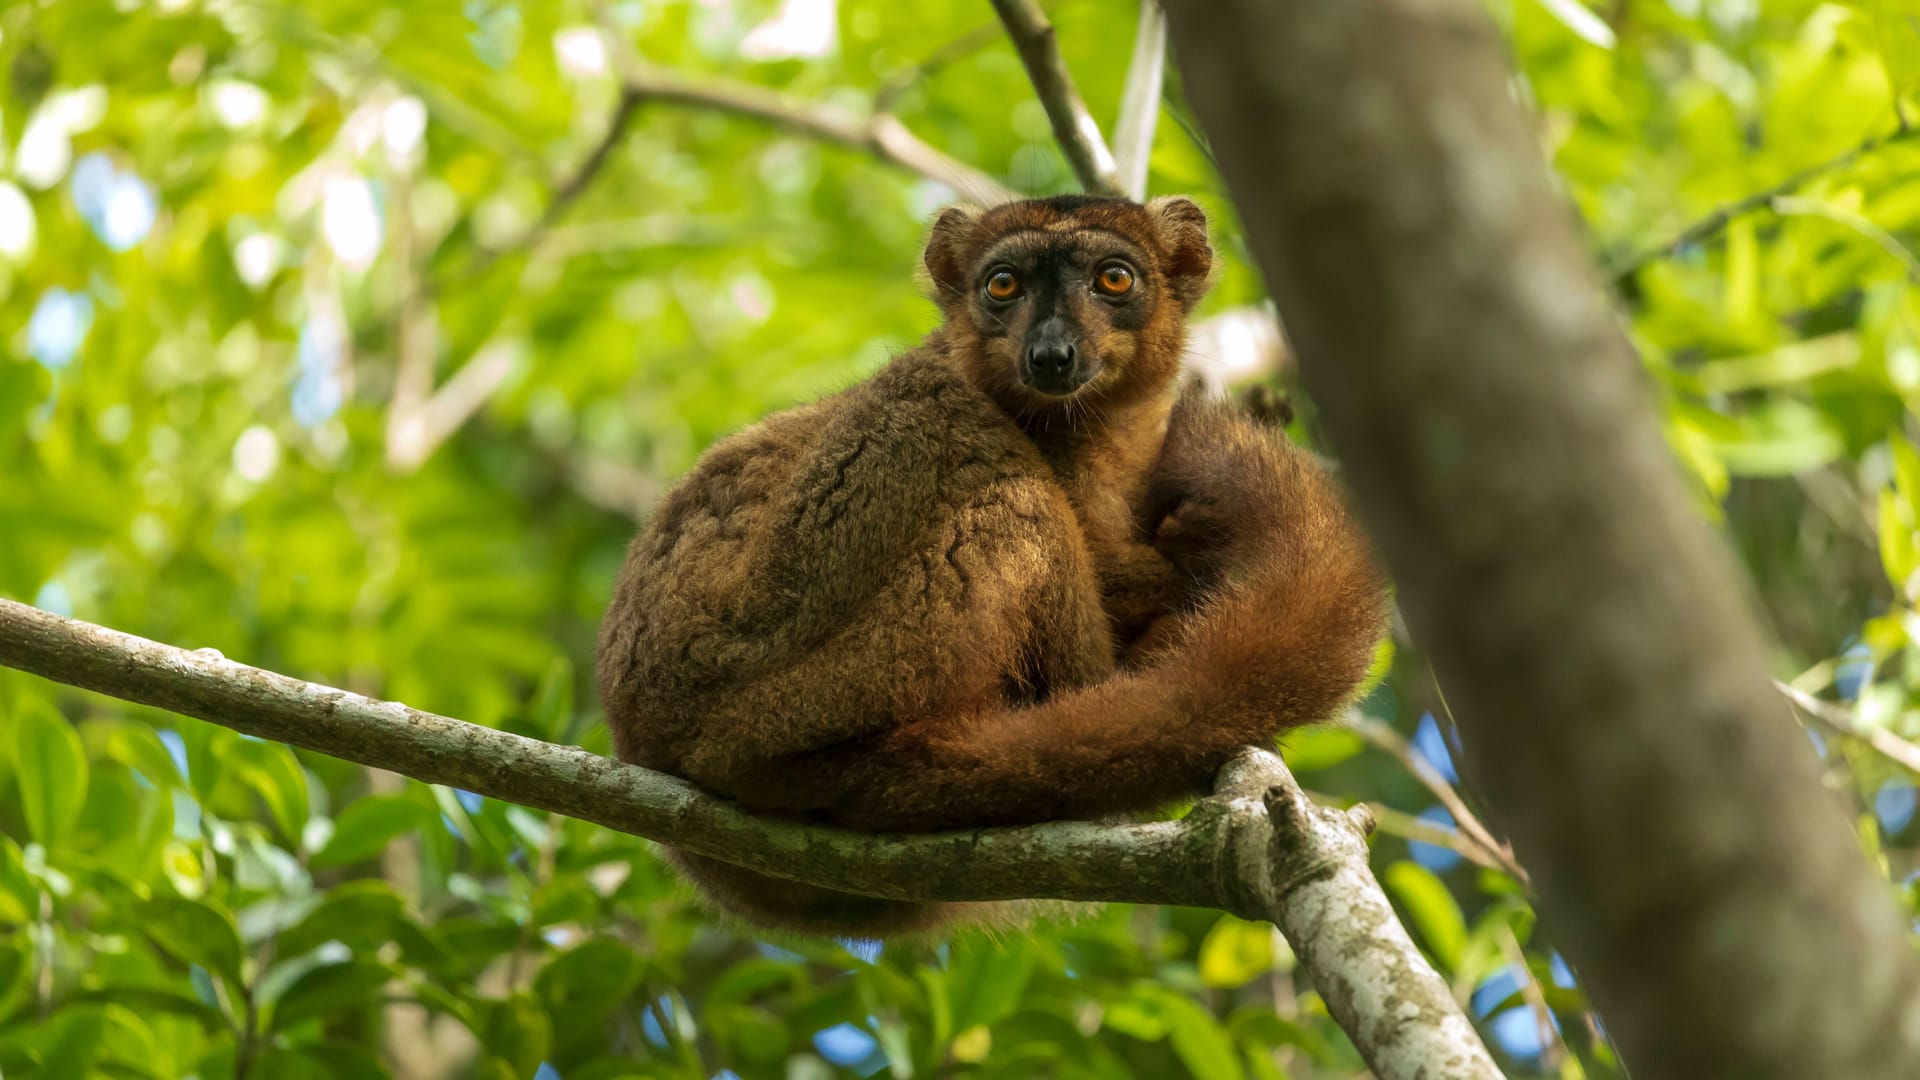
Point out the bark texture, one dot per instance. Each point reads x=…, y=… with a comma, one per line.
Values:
x=1592, y=632
x=1311, y=879
x=1304, y=869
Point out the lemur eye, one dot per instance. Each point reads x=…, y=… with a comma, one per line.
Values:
x=1114, y=280
x=1002, y=285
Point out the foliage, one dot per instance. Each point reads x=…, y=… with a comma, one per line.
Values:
x=231, y=232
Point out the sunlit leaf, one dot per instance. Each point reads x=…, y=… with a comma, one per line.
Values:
x=195, y=932
x=345, y=986
x=1235, y=952
x=1434, y=911
x=271, y=770
x=50, y=768
x=367, y=826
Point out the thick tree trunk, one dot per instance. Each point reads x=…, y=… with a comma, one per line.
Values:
x=1591, y=630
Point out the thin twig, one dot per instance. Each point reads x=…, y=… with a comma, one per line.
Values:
x=1709, y=226
x=1788, y=205
x=1553, y=1049
x=565, y=193
x=1411, y=827
x=1384, y=737
x=876, y=133
x=1841, y=720
x=1140, y=101
x=421, y=417
x=413, y=438
x=1073, y=126
x=974, y=40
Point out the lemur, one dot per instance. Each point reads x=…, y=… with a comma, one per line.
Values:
x=1014, y=576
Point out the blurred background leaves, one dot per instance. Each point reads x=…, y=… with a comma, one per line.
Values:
x=352, y=339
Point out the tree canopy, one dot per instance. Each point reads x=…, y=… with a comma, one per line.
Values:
x=352, y=340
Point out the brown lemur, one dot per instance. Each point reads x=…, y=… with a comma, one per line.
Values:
x=1014, y=576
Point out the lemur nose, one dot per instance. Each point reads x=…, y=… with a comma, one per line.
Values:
x=1050, y=361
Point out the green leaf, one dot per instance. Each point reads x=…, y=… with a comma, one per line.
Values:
x=332, y=1061
x=270, y=769
x=517, y=1031
x=1898, y=554
x=756, y=1034
x=1433, y=909
x=1235, y=952
x=350, y=985
x=152, y=998
x=1202, y=1042
x=1780, y=438
x=275, y=775
x=985, y=982
x=1141, y=1015
x=553, y=701
x=589, y=978
x=139, y=748
x=1259, y=1025
x=362, y=915
x=1906, y=476
x=207, y=746
x=50, y=766
x=126, y=1039
x=19, y=896
x=342, y=1061
x=1320, y=748
x=15, y=964
x=194, y=932
x=366, y=827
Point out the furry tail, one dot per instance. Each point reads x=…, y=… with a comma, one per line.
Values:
x=1287, y=610
x=1289, y=602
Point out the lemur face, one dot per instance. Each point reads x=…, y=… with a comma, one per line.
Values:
x=1071, y=298
x=1063, y=308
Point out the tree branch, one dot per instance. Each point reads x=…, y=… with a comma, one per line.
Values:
x=569, y=189
x=1841, y=721
x=1345, y=932
x=877, y=133
x=891, y=91
x=1622, y=271
x=1257, y=848
x=1592, y=632
x=1140, y=102
x=420, y=417
x=1406, y=826
x=1385, y=738
x=1073, y=126
x=1791, y=206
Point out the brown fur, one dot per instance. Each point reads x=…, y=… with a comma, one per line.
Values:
x=905, y=607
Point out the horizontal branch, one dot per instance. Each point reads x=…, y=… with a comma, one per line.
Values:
x=1157, y=862
x=877, y=133
x=1258, y=847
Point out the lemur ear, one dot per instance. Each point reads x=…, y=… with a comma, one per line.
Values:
x=1183, y=236
x=953, y=235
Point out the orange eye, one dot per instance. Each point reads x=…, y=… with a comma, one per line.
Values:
x=1114, y=280
x=1002, y=285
